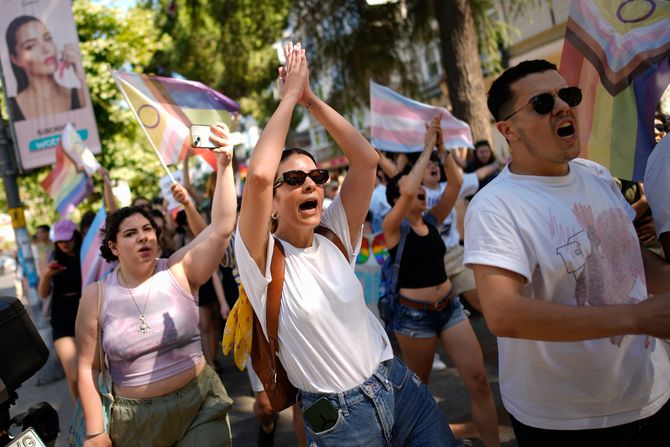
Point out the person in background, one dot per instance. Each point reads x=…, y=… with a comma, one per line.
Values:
x=62, y=282
x=379, y=207
x=428, y=310
x=165, y=393
x=657, y=188
x=36, y=62
x=42, y=248
x=329, y=193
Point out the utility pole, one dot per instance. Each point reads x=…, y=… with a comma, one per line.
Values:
x=52, y=370
x=8, y=171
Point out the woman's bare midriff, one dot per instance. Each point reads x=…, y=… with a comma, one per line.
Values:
x=428, y=294
x=161, y=387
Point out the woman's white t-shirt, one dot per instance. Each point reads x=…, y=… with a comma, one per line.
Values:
x=329, y=341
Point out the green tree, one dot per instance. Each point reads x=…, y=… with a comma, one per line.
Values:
x=356, y=42
x=224, y=44
x=110, y=39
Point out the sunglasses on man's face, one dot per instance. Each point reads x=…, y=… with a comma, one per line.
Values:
x=544, y=102
x=297, y=178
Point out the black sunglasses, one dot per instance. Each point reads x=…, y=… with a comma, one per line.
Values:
x=297, y=178
x=544, y=102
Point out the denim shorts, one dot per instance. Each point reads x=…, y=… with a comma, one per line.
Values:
x=419, y=323
x=391, y=408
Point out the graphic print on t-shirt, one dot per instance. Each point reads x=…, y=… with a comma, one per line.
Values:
x=600, y=257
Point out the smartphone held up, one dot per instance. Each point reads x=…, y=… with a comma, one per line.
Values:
x=199, y=134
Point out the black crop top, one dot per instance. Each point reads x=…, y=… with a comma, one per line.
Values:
x=422, y=263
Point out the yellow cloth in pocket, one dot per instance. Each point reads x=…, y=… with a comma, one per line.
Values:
x=238, y=333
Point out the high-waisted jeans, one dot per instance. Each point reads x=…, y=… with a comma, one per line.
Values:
x=391, y=408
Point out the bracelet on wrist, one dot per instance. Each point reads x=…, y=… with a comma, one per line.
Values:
x=94, y=434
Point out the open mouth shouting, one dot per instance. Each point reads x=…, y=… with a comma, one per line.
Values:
x=308, y=207
x=567, y=131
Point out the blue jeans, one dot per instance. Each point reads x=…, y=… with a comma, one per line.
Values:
x=391, y=408
x=419, y=323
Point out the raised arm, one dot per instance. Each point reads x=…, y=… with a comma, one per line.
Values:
x=197, y=261
x=187, y=179
x=388, y=166
x=409, y=187
x=108, y=194
x=88, y=365
x=257, y=195
x=510, y=314
x=196, y=223
x=359, y=182
x=454, y=181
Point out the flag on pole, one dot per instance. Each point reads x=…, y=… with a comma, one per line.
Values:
x=93, y=266
x=618, y=52
x=167, y=107
x=66, y=184
x=75, y=148
x=398, y=122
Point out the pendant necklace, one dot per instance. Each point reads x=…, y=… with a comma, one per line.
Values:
x=144, y=326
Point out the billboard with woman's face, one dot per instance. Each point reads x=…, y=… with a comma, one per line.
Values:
x=44, y=79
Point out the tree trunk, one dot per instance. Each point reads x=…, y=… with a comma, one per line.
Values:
x=461, y=63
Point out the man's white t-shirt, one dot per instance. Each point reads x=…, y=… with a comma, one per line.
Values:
x=572, y=239
x=329, y=341
x=657, y=184
x=449, y=230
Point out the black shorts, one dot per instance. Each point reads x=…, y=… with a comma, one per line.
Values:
x=63, y=316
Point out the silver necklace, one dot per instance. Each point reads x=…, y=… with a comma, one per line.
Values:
x=144, y=326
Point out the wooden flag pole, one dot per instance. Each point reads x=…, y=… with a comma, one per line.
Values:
x=160, y=157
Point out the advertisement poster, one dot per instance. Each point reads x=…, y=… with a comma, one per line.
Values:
x=44, y=79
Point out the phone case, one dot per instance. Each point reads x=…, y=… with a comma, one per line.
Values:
x=200, y=136
x=321, y=415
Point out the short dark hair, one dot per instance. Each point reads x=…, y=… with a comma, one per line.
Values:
x=500, y=93
x=112, y=225
x=43, y=227
x=482, y=143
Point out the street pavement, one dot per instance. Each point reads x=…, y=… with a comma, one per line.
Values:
x=445, y=386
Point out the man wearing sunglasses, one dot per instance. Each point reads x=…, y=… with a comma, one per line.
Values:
x=561, y=280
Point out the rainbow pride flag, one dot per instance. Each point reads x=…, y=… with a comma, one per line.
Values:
x=167, y=107
x=93, y=266
x=398, y=122
x=618, y=53
x=66, y=184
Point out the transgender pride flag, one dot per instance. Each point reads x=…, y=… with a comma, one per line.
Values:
x=93, y=266
x=167, y=107
x=398, y=122
x=618, y=52
x=66, y=185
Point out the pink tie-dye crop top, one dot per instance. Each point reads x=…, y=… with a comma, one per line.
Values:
x=170, y=346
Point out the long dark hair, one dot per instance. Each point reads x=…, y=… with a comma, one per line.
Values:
x=10, y=37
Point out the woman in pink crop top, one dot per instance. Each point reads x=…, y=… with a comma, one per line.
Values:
x=164, y=393
x=427, y=310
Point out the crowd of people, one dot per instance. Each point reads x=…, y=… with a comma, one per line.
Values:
x=542, y=243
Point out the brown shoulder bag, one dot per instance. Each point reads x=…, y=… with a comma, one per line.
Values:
x=267, y=366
